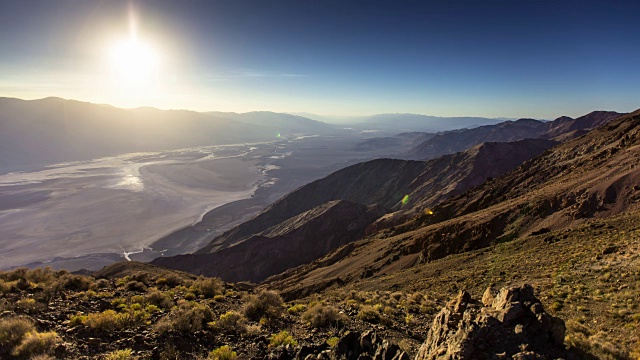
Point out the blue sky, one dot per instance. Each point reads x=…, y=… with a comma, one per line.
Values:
x=516, y=58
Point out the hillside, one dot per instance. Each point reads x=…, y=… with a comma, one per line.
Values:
x=331, y=212
x=131, y=310
x=296, y=241
x=454, y=141
x=592, y=177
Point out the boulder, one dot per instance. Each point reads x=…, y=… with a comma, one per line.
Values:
x=511, y=324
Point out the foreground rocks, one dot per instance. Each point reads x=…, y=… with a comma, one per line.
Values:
x=511, y=325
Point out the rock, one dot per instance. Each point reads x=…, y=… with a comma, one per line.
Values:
x=511, y=325
x=351, y=346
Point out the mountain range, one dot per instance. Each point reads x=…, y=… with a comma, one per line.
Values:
x=404, y=189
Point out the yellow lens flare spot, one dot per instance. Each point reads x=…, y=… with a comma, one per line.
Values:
x=405, y=199
x=278, y=135
x=428, y=212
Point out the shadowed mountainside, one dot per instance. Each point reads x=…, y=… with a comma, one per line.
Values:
x=296, y=241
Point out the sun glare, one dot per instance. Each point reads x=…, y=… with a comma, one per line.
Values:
x=134, y=64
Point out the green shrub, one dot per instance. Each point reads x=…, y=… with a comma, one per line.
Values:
x=369, y=314
x=125, y=354
x=13, y=330
x=29, y=305
x=77, y=319
x=207, y=287
x=103, y=284
x=333, y=341
x=231, y=322
x=75, y=282
x=159, y=299
x=282, y=339
x=108, y=320
x=135, y=286
x=186, y=317
x=320, y=315
x=35, y=343
x=266, y=304
x=296, y=309
x=222, y=353
x=42, y=276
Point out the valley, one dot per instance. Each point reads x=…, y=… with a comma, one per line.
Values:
x=87, y=214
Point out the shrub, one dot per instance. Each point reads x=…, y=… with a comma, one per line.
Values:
x=320, y=315
x=186, y=317
x=77, y=319
x=41, y=276
x=266, y=304
x=222, y=353
x=159, y=299
x=207, y=287
x=296, y=309
x=37, y=343
x=13, y=330
x=108, y=320
x=75, y=282
x=42, y=357
x=231, y=322
x=6, y=286
x=171, y=280
x=333, y=341
x=135, y=286
x=125, y=354
x=282, y=339
x=369, y=314
x=29, y=305
x=103, y=284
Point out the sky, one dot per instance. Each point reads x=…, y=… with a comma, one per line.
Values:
x=518, y=58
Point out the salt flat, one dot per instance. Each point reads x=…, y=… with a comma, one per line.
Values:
x=119, y=204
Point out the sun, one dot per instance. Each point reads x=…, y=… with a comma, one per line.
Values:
x=134, y=64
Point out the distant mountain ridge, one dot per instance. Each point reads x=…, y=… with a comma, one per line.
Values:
x=45, y=131
x=454, y=141
x=280, y=121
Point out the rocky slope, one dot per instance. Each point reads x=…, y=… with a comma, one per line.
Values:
x=387, y=181
x=451, y=175
x=594, y=176
x=454, y=141
x=135, y=311
x=296, y=241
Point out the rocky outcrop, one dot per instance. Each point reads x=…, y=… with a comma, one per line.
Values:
x=511, y=325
